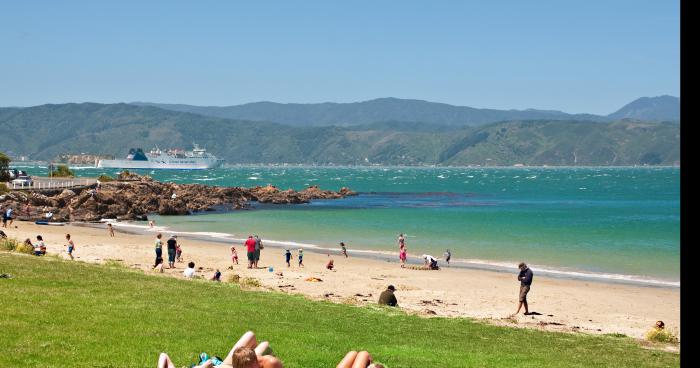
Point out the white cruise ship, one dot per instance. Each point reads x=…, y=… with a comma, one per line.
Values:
x=197, y=159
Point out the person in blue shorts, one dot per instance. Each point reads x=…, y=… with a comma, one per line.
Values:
x=70, y=246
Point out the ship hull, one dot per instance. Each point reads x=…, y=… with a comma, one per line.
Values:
x=130, y=164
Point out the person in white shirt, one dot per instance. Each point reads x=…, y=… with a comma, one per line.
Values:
x=189, y=271
x=430, y=261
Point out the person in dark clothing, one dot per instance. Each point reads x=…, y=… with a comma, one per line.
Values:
x=387, y=297
x=172, y=248
x=525, y=278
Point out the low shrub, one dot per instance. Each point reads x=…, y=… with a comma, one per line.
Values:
x=8, y=244
x=22, y=247
x=104, y=178
x=250, y=282
x=234, y=278
x=14, y=245
x=62, y=171
x=661, y=335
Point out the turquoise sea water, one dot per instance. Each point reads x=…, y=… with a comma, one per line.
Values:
x=610, y=222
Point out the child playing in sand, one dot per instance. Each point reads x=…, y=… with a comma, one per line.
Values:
x=288, y=257
x=329, y=265
x=111, y=230
x=178, y=252
x=301, y=258
x=159, y=265
x=234, y=255
x=70, y=245
x=217, y=276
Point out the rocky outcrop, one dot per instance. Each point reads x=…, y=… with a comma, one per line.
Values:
x=134, y=197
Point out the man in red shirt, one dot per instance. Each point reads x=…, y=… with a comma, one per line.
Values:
x=250, y=247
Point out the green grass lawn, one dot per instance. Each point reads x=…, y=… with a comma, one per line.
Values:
x=57, y=313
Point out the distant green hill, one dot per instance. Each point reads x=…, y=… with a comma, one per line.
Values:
x=44, y=132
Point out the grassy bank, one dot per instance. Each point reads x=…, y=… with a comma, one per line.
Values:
x=57, y=313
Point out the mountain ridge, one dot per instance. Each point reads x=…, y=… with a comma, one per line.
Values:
x=410, y=110
x=47, y=131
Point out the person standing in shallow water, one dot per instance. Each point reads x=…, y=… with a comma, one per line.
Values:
x=525, y=278
x=448, y=256
x=343, y=249
x=402, y=256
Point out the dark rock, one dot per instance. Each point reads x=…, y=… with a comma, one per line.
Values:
x=133, y=197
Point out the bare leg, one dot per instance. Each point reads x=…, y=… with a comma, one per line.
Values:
x=347, y=360
x=165, y=362
x=362, y=361
x=247, y=340
x=261, y=348
x=525, y=304
x=520, y=305
x=268, y=361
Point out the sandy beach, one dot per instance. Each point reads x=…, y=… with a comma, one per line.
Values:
x=560, y=304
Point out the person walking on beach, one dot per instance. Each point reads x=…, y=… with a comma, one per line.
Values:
x=159, y=247
x=258, y=246
x=288, y=257
x=234, y=255
x=250, y=250
x=525, y=278
x=172, y=249
x=447, y=255
x=301, y=258
x=111, y=230
x=343, y=249
x=70, y=246
x=8, y=217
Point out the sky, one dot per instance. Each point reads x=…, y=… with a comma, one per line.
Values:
x=578, y=57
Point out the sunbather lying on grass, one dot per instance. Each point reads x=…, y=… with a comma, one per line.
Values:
x=238, y=357
x=247, y=353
